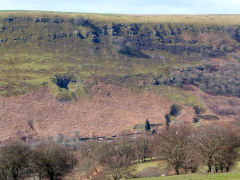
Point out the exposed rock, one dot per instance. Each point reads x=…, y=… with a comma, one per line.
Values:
x=57, y=36
x=9, y=19
x=133, y=29
x=78, y=34
x=116, y=29
x=43, y=19
x=17, y=38
x=37, y=20
x=3, y=28
x=105, y=30
x=237, y=34
x=95, y=37
x=3, y=40
x=57, y=21
x=136, y=37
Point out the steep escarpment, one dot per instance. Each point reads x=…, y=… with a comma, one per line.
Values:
x=36, y=47
x=186, y=60
x=129, y=39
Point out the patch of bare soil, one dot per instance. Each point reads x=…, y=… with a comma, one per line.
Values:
x=112, y=110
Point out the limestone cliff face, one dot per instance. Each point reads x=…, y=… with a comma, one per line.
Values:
x=139, y=40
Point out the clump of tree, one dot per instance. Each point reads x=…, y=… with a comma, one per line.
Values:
x=14, y=161
x=175, y=110
x=18, y=161
x=199, y=110
x=217, y=145
x=210, y=78
x=185, y=147
x=51, y=161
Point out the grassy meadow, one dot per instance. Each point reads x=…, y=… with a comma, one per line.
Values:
x=219, y=176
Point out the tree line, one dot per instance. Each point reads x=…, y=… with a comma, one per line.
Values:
x=183, y=146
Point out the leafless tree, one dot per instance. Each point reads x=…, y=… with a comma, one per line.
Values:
x=14, y=160
x=51, y=160
x=216, y=144
x=144, y=146
x=88, y=161
x=117, y=157
x=173, y=143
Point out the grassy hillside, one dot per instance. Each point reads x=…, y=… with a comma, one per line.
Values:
x=36, y=47
x=101, y=74
x=115, y=61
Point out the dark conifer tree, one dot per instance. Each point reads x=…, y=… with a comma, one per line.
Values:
x=168, y=120
x=147, y=125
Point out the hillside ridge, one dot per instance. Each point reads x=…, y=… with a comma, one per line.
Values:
x=65, y=59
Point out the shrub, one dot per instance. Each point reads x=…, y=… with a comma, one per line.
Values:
x=168, y=120
x=195, y=120
x=210, y=78
x=175, y=110
x=199, y=110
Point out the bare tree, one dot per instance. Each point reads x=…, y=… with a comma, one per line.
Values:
x=192, y=158
x=144, y=146
x=173, y=143
x=216, y=144
x=14, y=160
x=51, y=160
x=117, y=157
x=88, y=161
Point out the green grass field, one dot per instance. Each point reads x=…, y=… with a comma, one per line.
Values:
x=219, y=176
x=200, y=175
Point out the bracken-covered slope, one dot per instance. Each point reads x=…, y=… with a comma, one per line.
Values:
x=102, y=74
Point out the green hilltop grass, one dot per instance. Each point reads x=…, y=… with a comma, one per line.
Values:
x=123, y=18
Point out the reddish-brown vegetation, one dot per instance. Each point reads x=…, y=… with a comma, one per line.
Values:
x=110, y=111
